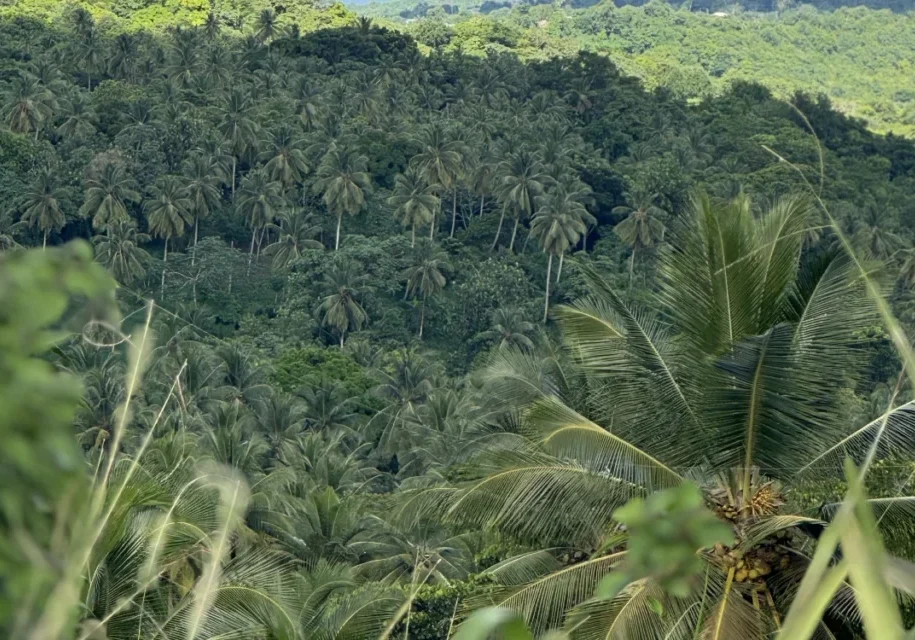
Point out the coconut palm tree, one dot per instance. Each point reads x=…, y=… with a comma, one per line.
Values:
x=643, y=226
x=41, y=205
x=414, y=200
x=219, y=159
x=243, y=376
x=482, y=176
x=120, y=251
x=284, y=156
x=297, y=231
x=521, y=178
x=266, y=26
x=572, y=196
x=874, y=232
x=79, y=119
x=447, y=429
x=122, y=62
x=212, y=26
x=509, y=330
x=237, y=126
x=28, y=105
x=107, y=195
x=325, y=526
x=421, y=552
x=907, y=269
x=167, y=213
x=259, y=202
x=742, y=367
x=8, y=231
x=403, y=387
x=89, y=50
x=440, y=162
x=279, y=418
x=218, y=68
x=425, y=276
x=330, y=407
x=341, y=309
x=307, y=96
x=343, y=181
x=184, y=61
x=327, y=457
x=559, y=224
x=200, y=177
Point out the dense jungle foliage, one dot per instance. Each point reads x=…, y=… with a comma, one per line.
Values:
x=311, y=334
x=697, y=50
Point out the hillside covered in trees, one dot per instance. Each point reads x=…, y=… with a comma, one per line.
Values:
x=323, y=333
x=859, y=57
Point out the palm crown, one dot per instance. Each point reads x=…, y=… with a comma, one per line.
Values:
x=343, y=180
x=107, y=195
x=42, y=205
x=414, y=201
x=736, y=389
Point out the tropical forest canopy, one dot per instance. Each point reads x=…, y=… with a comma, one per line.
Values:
x=314, y=328
x=858, y=56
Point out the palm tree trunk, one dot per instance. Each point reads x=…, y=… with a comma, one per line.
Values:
x=511, y=245
x=482, y=202
x=251, y=250
x=546, y=301
x=631, y=266
x=260, y=242
x=413, y=236
x=495, y=240
x=339, y=222
x=194, y=250
x=234, y=163
x=164, y=265
x=44, y=243
x=342, y=337
x=559, y=270
x=422, y=315
x=453, y=212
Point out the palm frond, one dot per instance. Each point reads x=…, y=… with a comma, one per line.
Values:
x=642, y=611
x=543, y=602
x=767, y=527
x=764, y=414
x=733, y=616
x=891, y=433
x=781, y=236
x=570, y=436
x=525, y=567
x=515, y=377
x=543, y=499
x=357, y=616
x=643, y=370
